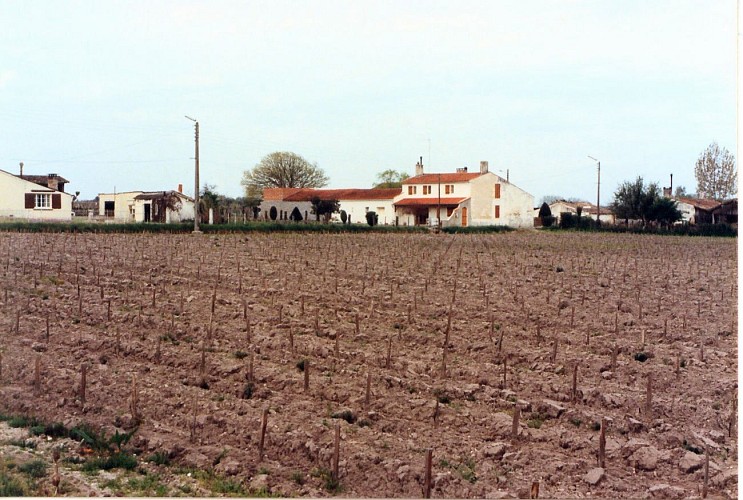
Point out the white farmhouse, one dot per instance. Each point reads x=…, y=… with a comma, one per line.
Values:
x=34, y=197
x=463, y=198
x=146, y=206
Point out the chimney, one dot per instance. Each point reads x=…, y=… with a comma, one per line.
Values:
x=419, y=167
x=483, y=167
x=180, y=188
x=21, y=169
x=51, y=181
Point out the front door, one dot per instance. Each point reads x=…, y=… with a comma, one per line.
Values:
x=464, y=216
x=147, y=212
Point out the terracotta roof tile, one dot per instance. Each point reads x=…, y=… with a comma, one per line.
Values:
x=342, y=194
x=702, y=203
x=443, y=178
x=420, y=202
x=278, y=194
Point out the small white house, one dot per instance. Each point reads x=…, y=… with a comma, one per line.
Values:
x=146, y=206
x=463, y=198
x=34, y=197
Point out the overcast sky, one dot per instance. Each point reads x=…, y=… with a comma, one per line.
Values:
x=97, y=90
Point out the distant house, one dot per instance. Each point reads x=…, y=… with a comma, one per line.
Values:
x=462, y=198
x=146, y=206
x=355, y=202
x=726, y=212
x=697, y=210
x=563, y=206
x=34, y=197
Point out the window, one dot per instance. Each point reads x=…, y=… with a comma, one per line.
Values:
x=426, y=189
x=412, y=189
x=497, y=211
x=43, y=200
x=449, y=189
x=497, y=191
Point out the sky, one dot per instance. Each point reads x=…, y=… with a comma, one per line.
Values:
x=98, y=91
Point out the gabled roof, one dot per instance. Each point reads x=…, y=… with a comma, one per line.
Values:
x=300, y=194
x=700, y=203
x=44, y=179
x=154, y=195
x=443, y=178
x=428, y=202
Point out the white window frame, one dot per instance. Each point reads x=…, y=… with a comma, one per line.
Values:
x=43, y=201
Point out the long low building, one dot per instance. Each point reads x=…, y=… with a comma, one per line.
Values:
x=146, y=206
x=458, y=198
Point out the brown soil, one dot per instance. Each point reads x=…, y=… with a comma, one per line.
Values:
x=509, y=298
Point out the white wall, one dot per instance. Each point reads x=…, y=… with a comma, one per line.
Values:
x=13, y=202
x=123, y=205
x=357, y=209
x=516, y=205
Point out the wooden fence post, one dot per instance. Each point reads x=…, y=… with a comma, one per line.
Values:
x=427, y=474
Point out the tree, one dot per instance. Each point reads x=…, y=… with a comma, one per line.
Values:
x=283, y=170
x=635, y=200
x=680, y=192
x=344, y=216
x=390, y=178
x=545, y=213
x=324, y=208
x=716, y=173
x=372, y=218
x=665, y=211
x=296, y=215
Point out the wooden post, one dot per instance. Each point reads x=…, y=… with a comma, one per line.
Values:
x=534, y=492
x=389, y=351
x=336, y=451
x=264, y=423
x=515, y=423
x=47, y=327
x=602, y=444
x=572, y=316
x=306, y=375
x=505, y=369
x=427, y=474
x=357, y=322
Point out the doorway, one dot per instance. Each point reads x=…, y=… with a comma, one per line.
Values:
x=147, y=215
x=464, y=216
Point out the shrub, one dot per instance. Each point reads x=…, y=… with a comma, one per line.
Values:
x=248, y=390
x=273, y=213
x=372, y=218
x=344, y=216
x=296, y=215
x=641, y=357
x=35, y=468
x=300, y=365
x=346, y=415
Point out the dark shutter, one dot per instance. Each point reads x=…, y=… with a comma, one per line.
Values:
x=56, y=200
x=30, y=200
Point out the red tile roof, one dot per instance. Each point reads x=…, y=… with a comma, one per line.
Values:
x=443, y=178
x=702, y=203
x=419, y=202
x=278, y=194
x=300, y=194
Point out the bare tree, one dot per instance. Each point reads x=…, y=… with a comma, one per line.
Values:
x=283, y=170
x=716, y=173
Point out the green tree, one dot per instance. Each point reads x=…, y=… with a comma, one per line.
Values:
x=635, y=200
x=390, y=178
x=324, y=208
x=372, y=218
x=665, y=211
x=716, y=173
x=282, y=170
x=545, y=213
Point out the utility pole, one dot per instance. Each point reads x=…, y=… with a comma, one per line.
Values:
x=196, y=229
x=598, y=190
x=438, y=207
